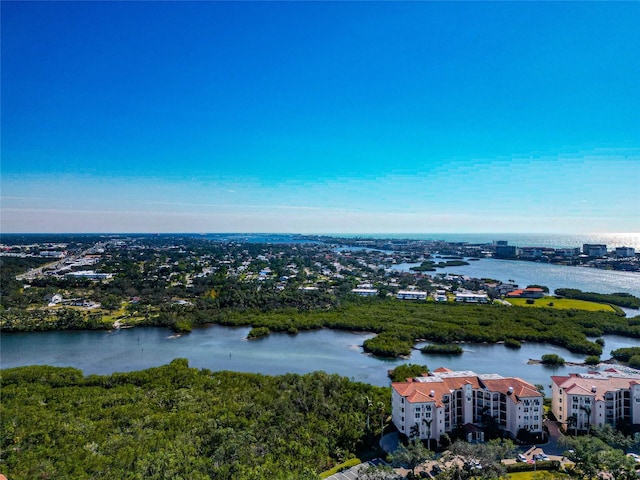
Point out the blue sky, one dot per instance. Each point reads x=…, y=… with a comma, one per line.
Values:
x=329, y=117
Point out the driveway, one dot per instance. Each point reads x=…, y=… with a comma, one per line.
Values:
x=353, y=472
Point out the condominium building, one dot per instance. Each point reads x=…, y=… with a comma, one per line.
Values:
x=437, y=403
x=594, y=249
x=610, y=397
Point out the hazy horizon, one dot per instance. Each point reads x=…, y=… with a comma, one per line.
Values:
x=320, y=117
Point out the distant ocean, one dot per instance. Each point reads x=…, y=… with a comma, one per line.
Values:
x=552, y=240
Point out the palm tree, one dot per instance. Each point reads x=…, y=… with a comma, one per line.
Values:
x=381, y=409
x=369, y=406
x=572, y=421
x=587, y=410
x=427, y=422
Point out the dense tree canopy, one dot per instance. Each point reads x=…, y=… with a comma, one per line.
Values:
x=180, y=423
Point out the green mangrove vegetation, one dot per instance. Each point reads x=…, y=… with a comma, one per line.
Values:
x=407, y=370
x=180, y=422
x=400, y=325
x=625, y=354
x=552, y=359
x=442, y=349
x=430, y=266
x=620, y=299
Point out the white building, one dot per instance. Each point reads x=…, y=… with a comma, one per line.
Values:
x=90, y=274
x=52, y=254
x=568, y=252
x=440, y=296
x=365, y=292
x=594, y=250
x=469, y=297
x=531, y=252
x=411, y=295
x=437, y=403
x=580, y=400
x=625, y=252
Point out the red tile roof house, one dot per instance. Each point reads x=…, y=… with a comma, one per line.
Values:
x=532, y=292
x=610, y=397
x=437, y=403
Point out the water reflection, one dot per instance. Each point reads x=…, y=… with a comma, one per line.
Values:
x=225, y=348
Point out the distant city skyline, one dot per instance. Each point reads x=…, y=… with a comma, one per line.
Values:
x=320, y=117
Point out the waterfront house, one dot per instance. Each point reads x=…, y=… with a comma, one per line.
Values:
x=437, y=403
x=610, y=397
x=532, y=292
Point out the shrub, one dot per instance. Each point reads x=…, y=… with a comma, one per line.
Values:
x=258, y=332
x=408, y=370
x=634, y=361
x=552, y=359
x=592, y=360
x=443, y=349
x=183, y=326
x=512, y=343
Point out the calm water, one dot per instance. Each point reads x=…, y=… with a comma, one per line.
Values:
x=225, y=348
x=552, y=240
x=553, y=276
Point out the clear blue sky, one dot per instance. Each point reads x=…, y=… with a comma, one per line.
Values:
x=320, y=117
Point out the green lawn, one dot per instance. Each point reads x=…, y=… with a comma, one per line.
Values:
x=535, y=475
x=562, y=304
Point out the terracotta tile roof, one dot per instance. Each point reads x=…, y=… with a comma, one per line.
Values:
x=442, y=370
x=416, y=392
x=443, y=381
x=610, y=381
x=521, y=389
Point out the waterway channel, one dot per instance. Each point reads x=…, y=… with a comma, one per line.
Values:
x=226, y=348
x=525, y=273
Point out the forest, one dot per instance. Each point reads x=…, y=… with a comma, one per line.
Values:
x=179, y=422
